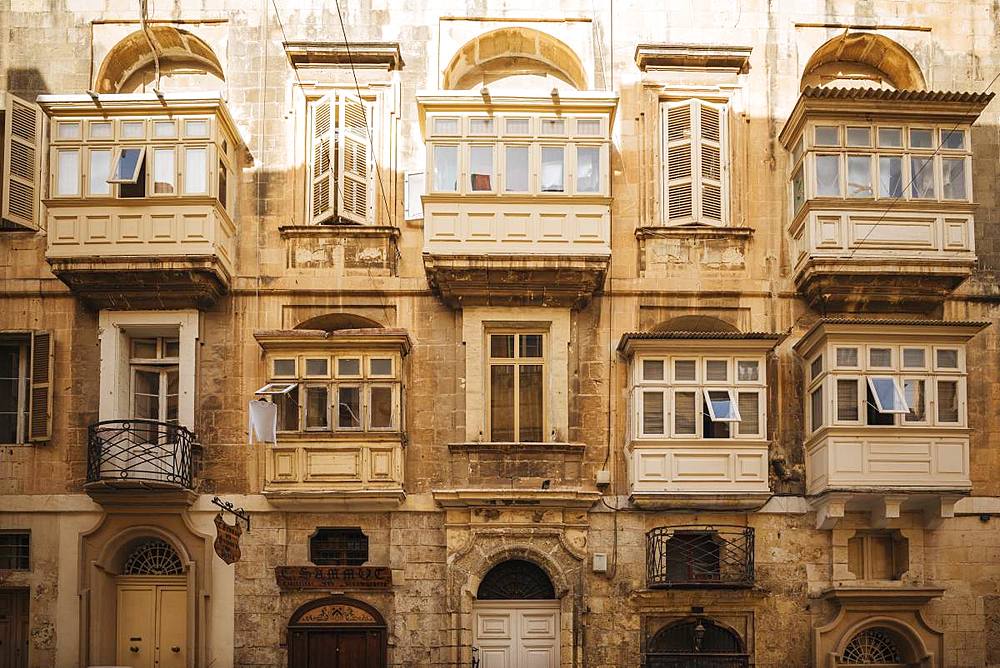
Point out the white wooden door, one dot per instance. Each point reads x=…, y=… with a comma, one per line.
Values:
x=517, y=634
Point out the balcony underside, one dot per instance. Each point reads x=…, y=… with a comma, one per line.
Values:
x=886, y=505
x=323, y=500
x=516, y=280
x=880, y=284
x=144, y=282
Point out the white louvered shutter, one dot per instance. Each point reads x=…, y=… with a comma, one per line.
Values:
x=40, y=399
x=354, y=158
x=322, y=184
x=678, y=162
x=711, y=128
x=22, y=140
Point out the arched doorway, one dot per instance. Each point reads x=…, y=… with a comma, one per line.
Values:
x=877, y=646
x=152, y=607
x=337, y=632
x=696, y=643
x=516, y=618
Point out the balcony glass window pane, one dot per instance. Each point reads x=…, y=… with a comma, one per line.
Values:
x=888, y=398
x=481, y=168
x=380, y=366
x=827, y=135
x=590, y=127
x=173, y=378
x=100, y=129
x=711, y=427
x=502, y=402
x=947, y=358
x=446, y=168
x=144, y=349
x=164, y=171
x=552, y=169
x=684, y=413
x=100, y=172
x=652, y=369
x=553, y=126
x=68, y=130
x=921, y=138
x=11, y=384
x=530, y=345
x=717, y=370
x=914, y=358
x=947, y=401
x=380, y=406
x=588, y=169
x=146, y=395
x=288, y=410
x=816, y=408
x=816, y=368
x=953, y=170
x=890, y=137
x=518, y=126
x=652, y=413
x=283, y=368
x=446, y=126
x=720, y=406
x=685, y=370
x=223, y=186
x=890, y=176
x=747, y=371
x=529, y=392
x=859, y=136
x=481, y=126
x=916, y=399
x=847, y=400
x=922, y=175
x=133, y=129
x=317, y=367
x=349, y=407
x=953, y=139
x=164, y=129
x=517, y=169
x=68, y=179
x=348, y=366
x=317, y=401
x=828, y=175
x=502, y=345
x=847, y=357
x=196, y=128
x=798, y=190
x=195, y=170
x=749, y=405
x=859, y=176
x=880, y=358
x=171, y=348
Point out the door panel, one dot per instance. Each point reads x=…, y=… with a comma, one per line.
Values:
x=172, y=636
x=353, y=650
x=495, y=657
x=336, y=648
x=517, y=634
x=136, y=625
x=14, y=629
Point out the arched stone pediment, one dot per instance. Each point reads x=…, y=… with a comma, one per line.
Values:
x=853, y=57
x=178, y=51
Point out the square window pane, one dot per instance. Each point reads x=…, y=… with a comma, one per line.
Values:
x=747, y=371
x=517, y=169
x=529, y=392
x=953, y=172
x=144, y=349
x=349, y=407
x=530, y=345
x=859, y=136
x=446, y=168
x=685, y=370
x=914, y=358
x=847, y=357
x=947, y=401
x=684, y=413
x=915, y=393
x=828, y=175
x=588, y=169
x=847, y=400
x=481, y=126
x=100, y=130
x=68, y=181
x=171, y=348
x=317, y=402
x=317, y=366
x=164, y=129
x=827, y=135
x=100, y=172
x=922, y=175
x=953, y=139
x=195, y=170
x=880, y=358
x=380, y=366
x=196, y=127
x=590, y=127
x=921, y=138
x=717, y=370
x=947, y=358
x=164, y=171
x=502, y=346
x=446, y=126
x=283, y=367
x=652, y=369
x=518, y=126
x=890, y=176
x=133, y=129
x=348, y=366
x=859, y=176
x=888, y=398
x=68, y=130
x=502, y=402
x=481, y=168
x=749, y=405
x=652, y=413
x=288, y=410
x=553, y=126
x=381, y=407
x=890, y=137
x=552, y=169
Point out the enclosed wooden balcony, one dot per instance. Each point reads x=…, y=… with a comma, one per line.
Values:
x=880, y=191
x=517, y=207
x=141, y=198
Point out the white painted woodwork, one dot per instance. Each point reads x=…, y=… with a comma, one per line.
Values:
x=721, y=467
x=517, y=634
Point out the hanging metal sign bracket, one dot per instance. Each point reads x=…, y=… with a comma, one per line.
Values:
x=238, y=513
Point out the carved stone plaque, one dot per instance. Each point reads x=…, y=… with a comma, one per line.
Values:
x=333, y=577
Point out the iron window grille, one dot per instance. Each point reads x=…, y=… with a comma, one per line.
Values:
x=695, y=643
x=699, y=556
x=338, y=547
x=15, y=551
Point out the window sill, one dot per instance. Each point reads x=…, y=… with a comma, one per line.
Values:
x=506, y=446
x=693, y=232
x=320, y=230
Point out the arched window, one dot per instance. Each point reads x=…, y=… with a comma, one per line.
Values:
x=874, y=647
x=516, y=579
x=153, y=556
x=695, y=643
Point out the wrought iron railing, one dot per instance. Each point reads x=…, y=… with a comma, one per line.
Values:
x=699, y=556
x=140, y=450
x=695, y=660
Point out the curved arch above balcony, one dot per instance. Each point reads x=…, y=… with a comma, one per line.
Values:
x=513, y=52
x=332, y=322
x=863, y=59
x=186, y=61
x=695, y=323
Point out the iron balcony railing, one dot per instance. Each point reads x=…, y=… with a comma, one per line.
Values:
x=699, y=556
x=145, y=451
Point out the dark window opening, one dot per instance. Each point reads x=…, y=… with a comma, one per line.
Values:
x=695, y=643
x=875, y=417
x=711, y=428
x=338, y=547
x=693, y=557
x=15, y=551
x=137, y=189
x=516, y=579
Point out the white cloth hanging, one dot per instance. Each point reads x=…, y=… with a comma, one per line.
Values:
x=263, y=421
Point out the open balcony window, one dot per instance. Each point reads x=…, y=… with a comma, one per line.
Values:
x=128, y=162
x=887, y=395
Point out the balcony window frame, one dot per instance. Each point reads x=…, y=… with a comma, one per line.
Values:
x=133, y=178
x=516, y=361
x=21, y=341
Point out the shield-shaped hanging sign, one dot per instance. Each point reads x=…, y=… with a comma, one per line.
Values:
x=227, y=540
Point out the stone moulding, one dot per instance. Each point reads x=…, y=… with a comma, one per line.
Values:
x=368, y=55
x=692, y=56
x=473, y=497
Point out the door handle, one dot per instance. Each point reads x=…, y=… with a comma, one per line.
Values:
x=175, y=648
x=133, y=648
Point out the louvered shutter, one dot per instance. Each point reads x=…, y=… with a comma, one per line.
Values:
x=22, y=140
x=354, y=158
x=678, y=162
x=416, y=187
x=711, y=128
x=321, y=147
x=40, y=399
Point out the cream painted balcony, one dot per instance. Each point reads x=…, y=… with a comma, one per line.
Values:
x=881, y=195
x=698, y=435
x=141, y=198
x=886, y=416
x=517, y=207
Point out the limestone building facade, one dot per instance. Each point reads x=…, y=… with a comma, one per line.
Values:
x=579, y=335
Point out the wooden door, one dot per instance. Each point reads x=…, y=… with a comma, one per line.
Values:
x=14, y=628
x=517, y=634
x=152, y=623
x=171, y=626
x=337, y=648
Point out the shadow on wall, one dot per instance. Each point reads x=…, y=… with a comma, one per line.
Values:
x=26, y=82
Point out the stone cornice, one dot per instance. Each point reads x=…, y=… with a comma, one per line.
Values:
x=692, y=56
x=368, y=55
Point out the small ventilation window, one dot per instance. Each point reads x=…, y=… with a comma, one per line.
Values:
x=153, y=557
x=15, y=551
x=338, y=547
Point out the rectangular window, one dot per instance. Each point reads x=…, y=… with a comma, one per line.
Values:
x=553, y=126
x=196, y=128
x=953, y=139
x=914, y=391
x=15, y=551
x=859, y=176
x=590, y=127
x=887, y=396
x=588, y=169
x=652, y=413
x=749, y=412
x=827, y=135
x=816, y=367
x=921, y=138
x=816, y=408
x=100, y=130
x=517, y=377
x=652, y=370
x=922, y=176
x=348, y=407
x=68, y=174
x=14, y=384
x=518, y=126
x=195, y=171
x=880, y=358
x=223, y=185
x=127, y=165
x=847, y=357
x=695, y=163
x=446, y=168
x=953, y=171
x=685, y=407
x=860, y=136
x=481, y=168
x=380, y=407
x=481, y=126
x=685, y=370
x=847, y=400
x=798, y=190
x=890, y=137
x=288, y=409
x=947, y=402
x=828, y=175
x=317, y=407
x=721, y=405
x=946, y=358
x=99, y=172
x=914, y=358
x=164, y=171
x=380, y=367
x=133, y=129
x=716, y=371
x=154, y=379
x=517, y=169
x=553, y=169
x=164, y=129
x=348, y=367
x=890, y=176
x=283, y=368
x=747, y=371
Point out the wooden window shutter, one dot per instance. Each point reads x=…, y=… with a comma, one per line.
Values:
x=678, y=158
x=322, y=185
x=22, y=154
x=354, y=157
x=712, y=164
x=40, y=399
x=416, y=187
